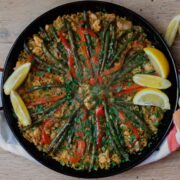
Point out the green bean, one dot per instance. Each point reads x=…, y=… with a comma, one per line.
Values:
x=123, y=47
x=93, y=145
x=54, y=33
x=51, y=57
x=112, y=42
x=91, y=136
x=104, y=44
x=42, y=62
x=135, y=118
x=89, y=45
x=50, y=109
x=53, y=147
x=138, y=60
x=70, y=137
x=42, y=87
x=58, y=139
x=105, y=53
x=113, y=134
x=131, y=57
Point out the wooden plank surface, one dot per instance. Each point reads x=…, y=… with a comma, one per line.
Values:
x=15, y=15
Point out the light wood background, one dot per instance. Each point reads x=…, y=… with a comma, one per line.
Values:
x=15, y=15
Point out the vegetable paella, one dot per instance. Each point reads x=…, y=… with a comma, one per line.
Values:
x=86, y=97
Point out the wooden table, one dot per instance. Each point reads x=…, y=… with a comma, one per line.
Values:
x=15, y=15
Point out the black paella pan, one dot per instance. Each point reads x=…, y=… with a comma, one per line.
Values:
x=74, y=7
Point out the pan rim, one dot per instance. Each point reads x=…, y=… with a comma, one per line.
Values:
x=78, y=173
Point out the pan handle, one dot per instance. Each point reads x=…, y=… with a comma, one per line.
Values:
x=1, y=72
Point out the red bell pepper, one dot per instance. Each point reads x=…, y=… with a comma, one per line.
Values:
x=100, y=133
x=128, y=91
x=44, y=101
x=45, y=138
x=70, y=56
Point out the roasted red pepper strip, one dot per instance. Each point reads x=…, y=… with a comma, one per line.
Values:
x=44, y=101
x=129, y=125
x=92, y=81
x=128, y=91
x=99, y=114
x=115, y=68
x=30, y=58
x=95, y=57
x=85, y=115
x=133, y=86
x=70, y=56
x=125, y=87
x=84, y=47
x=138, y=44
x=122, y=116
x=80, y=150
x=81, y=147
x=134, y=130
x=60, y=108
x=120, y=63
x=45, y=138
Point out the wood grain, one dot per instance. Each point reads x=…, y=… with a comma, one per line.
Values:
x=15, y=15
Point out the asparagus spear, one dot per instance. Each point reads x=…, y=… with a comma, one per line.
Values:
x=87, y=35
x=112, y=42
x=46, y=38
x=61, y=134
x=131, y=57
x=135, y=118
x=114, y=136
x=91, y=135
x=42, y=62
x=59, y=137
x=52, y=57
x=138, y=60
x=105, y=51
x=50, y=109
x=70, y=137
x=116, y=126
x=73, y=47
x=34, y=88
x=123, y=47
x=54, y=33
x=105, y=44
x=119, y=52
x=93, y=145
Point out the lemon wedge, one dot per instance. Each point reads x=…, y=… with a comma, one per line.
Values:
x=151, y=81
x=158, y=60
x=20, y=108
x=152, y=97
x=172, y=30
x=16, y=78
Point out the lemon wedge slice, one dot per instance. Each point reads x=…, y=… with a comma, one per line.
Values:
x=16, y=78
x=152, y=97
x=158, y=60
x=151, y=81
x=172, y=30
x=20, y=108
